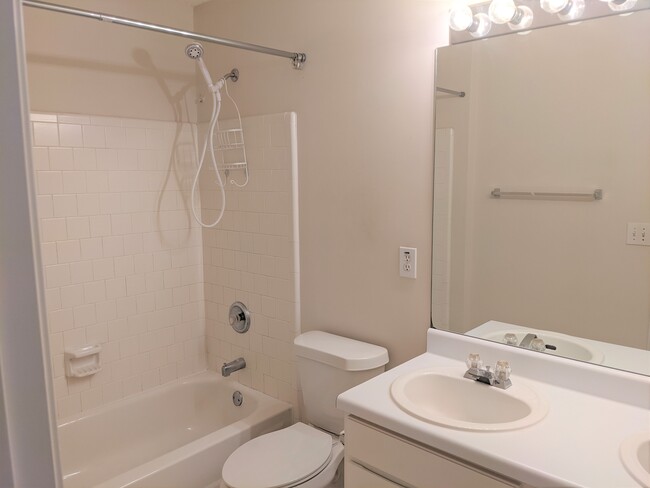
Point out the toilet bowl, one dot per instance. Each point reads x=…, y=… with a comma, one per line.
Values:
x=309, y=456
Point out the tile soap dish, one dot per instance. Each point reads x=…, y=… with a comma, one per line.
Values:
x=83, y=361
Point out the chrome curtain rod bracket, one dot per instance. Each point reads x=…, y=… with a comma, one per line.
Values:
x=297, y=59
x=456, y=93
x=497, y=193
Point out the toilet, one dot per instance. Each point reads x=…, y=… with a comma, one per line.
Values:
x=309, y=455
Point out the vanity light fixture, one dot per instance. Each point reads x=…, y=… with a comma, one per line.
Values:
x=506, y=12
x=567, y=10
x=469, y=20
x=461, y=18
x=620, y=5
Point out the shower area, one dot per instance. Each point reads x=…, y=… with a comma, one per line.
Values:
x=142, y=254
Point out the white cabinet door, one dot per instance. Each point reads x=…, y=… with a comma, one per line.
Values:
x=359, y=477
x=412, y=464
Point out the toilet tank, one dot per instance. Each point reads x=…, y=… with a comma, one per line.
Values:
x=328, y=365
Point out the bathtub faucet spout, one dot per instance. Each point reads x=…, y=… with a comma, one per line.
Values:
x=232, y=366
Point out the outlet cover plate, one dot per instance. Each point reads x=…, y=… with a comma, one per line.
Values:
x=408, y=263
x=638, y=233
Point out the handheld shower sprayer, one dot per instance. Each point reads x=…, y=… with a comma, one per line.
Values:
x=195, y=52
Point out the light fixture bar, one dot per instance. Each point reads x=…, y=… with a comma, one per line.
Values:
x=592, y=9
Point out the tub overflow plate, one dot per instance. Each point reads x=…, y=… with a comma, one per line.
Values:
x=239, y=317
x=237, y=398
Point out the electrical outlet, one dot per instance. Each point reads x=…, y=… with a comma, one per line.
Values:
x=637, y=234
x=408, y=262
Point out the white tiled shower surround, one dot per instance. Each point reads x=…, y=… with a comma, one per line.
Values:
x=252, y=257
x=123, y=258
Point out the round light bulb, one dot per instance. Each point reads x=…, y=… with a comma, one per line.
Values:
x=553, y=6
x=618, y=6
x=481, y=25
x=523, y=19
x=502, y=11
x=575, y=12
x=460, y=17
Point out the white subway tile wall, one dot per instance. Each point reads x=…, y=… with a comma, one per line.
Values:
x=123, y=256
x=252, y=257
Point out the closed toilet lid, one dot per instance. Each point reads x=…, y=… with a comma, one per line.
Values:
x=282, y=458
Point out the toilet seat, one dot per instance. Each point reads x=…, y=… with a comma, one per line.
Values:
x=284, y=458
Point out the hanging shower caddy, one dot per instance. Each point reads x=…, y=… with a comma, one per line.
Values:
x=229, y=143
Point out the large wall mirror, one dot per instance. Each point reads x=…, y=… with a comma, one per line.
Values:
x=526, y=250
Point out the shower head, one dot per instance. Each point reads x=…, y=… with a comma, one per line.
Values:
x=195, y=51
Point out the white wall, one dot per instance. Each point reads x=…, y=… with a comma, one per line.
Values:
x=79, y=65
x=365, y=142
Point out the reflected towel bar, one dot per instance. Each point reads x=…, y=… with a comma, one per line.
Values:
x=450, y=92
x=497, y=193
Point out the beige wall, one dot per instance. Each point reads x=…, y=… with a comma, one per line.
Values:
x=78, y=65
x=365, y=129
x=555, y=265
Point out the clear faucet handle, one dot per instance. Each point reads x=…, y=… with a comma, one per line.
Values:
x=510, y=339
x=474, y=361
x=537, y=344
x=502, y=371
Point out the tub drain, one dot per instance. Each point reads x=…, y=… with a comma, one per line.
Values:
x=237, y=398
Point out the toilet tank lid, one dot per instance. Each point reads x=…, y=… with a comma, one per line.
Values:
x=340, y=352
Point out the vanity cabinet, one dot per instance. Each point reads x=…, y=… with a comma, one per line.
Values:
x=378, y=458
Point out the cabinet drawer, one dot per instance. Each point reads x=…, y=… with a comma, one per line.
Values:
x=412, y=464
x=359, y=477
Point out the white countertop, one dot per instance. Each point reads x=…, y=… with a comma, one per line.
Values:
x=592, y=410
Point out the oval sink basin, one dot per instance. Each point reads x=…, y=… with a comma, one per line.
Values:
x=442, y=396
x=635, y=454
x=566, y=346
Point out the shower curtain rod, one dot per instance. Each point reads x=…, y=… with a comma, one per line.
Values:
x=297, y=58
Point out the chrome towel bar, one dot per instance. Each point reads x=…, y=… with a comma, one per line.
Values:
x=497, y=193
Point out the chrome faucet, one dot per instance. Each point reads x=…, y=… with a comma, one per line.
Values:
x=531, y=341
x=528, y=338
x=500, y=377
x=228, y=368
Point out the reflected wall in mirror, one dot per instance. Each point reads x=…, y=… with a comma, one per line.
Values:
x=564, y=109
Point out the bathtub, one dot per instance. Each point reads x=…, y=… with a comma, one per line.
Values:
x=177, y=435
